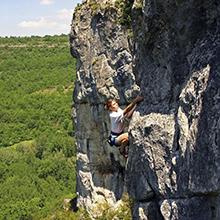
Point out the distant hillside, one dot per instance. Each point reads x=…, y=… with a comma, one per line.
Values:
x=37, y=162
x=36, y=83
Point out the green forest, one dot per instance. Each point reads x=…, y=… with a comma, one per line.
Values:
x=37, y=151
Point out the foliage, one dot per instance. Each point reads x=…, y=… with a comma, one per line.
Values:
x=31, y=102
x=78, y=7
x=94, y=5
x=123, y=211
x=37, y=152
x=30, y=187
x=125, y=7
x=69, y=215
x=138, y=5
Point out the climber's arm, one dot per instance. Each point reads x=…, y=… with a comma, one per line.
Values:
x=129, y=113
x=130, y=108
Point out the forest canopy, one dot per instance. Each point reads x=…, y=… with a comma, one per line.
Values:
x=37, y=152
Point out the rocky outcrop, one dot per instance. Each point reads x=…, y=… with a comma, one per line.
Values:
x=104, y=70
x=175, y=135
x=173, y=166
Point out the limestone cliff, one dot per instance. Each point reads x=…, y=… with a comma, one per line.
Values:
x=173, y=169
x=104, y=70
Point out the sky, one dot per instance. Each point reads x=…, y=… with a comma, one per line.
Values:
x=36, y=17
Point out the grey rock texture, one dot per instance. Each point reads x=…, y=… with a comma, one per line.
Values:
x=173, y=168
x=175, y=135
x=201, y=208
x=104, y=70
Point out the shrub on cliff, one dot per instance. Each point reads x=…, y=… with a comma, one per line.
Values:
x=125, y=11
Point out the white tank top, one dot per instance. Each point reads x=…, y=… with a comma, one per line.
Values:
x=117, y=121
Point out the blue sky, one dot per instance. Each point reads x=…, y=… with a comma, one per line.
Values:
x=36, y=17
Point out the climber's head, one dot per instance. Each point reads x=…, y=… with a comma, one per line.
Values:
x=112, y=105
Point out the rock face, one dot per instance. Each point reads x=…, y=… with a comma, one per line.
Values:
x=173, y=168
x=104, y=70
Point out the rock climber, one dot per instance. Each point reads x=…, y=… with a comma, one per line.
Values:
x=118, y=137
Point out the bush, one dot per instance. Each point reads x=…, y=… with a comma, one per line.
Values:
x=125, y=9
x=122, y=212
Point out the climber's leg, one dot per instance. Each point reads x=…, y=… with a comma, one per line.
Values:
x=122, y=142
x=122, y=139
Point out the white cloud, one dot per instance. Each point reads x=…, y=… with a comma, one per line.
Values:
x=46, y=2
x=41, y=23
x=64, y=14
x=56, y=23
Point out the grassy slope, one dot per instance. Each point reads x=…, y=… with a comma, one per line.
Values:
x=36, y=148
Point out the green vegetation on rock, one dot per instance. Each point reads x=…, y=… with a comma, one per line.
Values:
x=123, y=211
x=125, y=12
x=96, y=6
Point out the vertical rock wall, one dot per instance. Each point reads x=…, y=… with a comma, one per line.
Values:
x=175, y=135
x=104, y=70
x=173, y=168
